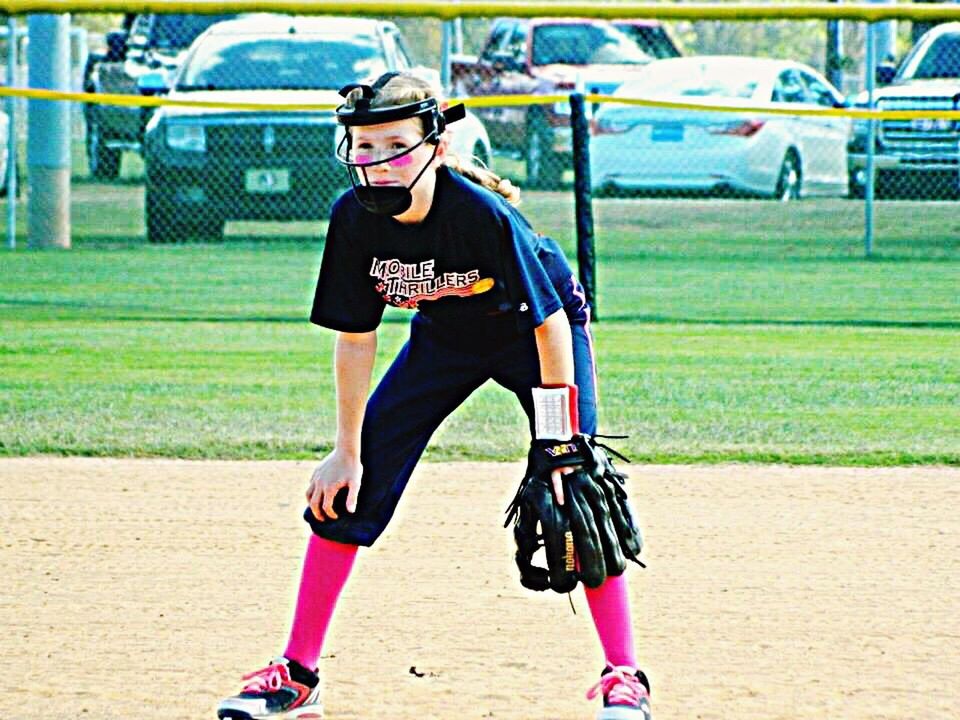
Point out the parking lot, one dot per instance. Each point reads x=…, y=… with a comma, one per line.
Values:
x=113, y=213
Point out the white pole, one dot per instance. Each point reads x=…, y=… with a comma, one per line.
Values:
x=48, y=133
x=82, y=51
x=886, y=41
x=12, y=135
x=871, y=70
x=446, y=43
x=76, y=77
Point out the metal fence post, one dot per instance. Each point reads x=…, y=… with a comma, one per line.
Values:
x=834, y=52
x=868, y=194
x=458, y=35
x=583, y=202
x=12, y=135
x=446, y=44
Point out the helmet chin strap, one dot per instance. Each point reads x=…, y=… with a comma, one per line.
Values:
x=387, y=200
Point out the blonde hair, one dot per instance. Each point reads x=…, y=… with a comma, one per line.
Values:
x=405, y=88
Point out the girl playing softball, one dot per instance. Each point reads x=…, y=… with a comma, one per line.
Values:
x=494, y=300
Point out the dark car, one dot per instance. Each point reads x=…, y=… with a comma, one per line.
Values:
x=208, y=165
x=146, y=44
x=544, y=56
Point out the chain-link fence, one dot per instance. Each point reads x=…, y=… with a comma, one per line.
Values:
x=176, y=174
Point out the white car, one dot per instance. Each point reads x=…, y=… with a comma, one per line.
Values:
x=469, y=140
x=637, y=148
x=4, y=142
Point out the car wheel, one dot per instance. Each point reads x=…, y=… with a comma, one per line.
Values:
x=103, y=162
x=162, y=217
x=5, y=189
x=544, y=167
x=789, y=181
x=208, y=229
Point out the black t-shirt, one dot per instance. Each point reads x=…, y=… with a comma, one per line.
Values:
x=471, y=264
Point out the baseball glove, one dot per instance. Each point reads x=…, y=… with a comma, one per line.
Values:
x=587, y=539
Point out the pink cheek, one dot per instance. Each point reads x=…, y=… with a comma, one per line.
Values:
x=400, y=162
x=363, y=159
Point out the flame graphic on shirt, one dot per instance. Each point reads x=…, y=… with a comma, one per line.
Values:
x=480, y=286
x=406, y=285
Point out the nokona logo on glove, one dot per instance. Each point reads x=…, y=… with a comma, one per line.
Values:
x=569, y=552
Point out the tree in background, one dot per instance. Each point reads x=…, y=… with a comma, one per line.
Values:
x=97, y=25
x=795, y=40
x=804, y=41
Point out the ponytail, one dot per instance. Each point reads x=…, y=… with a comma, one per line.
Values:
x=482, y=176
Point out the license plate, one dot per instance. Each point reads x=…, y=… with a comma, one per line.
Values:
x=267, y=180
x=667, y=132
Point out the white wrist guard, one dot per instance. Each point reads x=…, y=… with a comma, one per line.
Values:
x=555, y=412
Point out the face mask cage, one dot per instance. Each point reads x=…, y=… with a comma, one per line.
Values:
x=358, y=171
x=344, y=149
x=388, y=200
x=434, y=120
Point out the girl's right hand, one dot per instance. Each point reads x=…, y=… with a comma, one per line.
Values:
x=336, y=471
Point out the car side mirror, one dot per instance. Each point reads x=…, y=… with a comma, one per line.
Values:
x=116, y=45
x=885, y=73
x=153, y=83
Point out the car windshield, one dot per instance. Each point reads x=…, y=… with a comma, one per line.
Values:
x=587, y=44
x=280, y=63
x=941, y=60
x=696, y=79
x=179, y=31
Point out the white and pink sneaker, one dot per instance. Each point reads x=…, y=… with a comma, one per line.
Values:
x=283, y=690
x=626, y=694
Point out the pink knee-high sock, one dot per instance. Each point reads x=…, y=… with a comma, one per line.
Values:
x=610, y=607
x=326, y=568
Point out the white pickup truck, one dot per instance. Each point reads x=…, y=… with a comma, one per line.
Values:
x=917, y=157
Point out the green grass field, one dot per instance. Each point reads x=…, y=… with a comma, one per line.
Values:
x=730, y=331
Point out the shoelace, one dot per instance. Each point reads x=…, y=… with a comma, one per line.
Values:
x=620, y=686
x=269, y=679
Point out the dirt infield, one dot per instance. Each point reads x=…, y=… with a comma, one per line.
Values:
x=144, y=589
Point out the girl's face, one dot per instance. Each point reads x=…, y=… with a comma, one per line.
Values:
x=377, y=142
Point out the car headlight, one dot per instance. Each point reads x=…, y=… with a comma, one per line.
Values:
x=190, y=138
